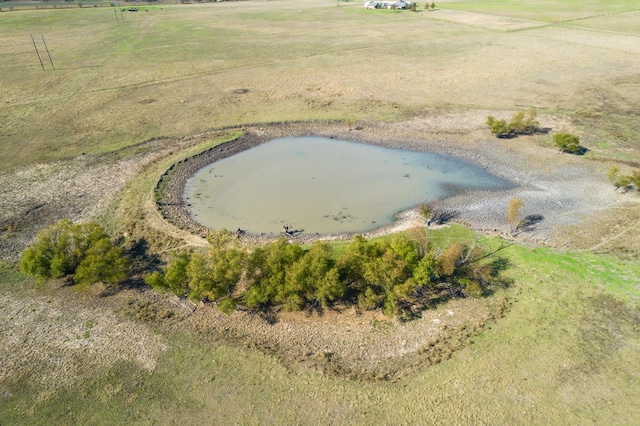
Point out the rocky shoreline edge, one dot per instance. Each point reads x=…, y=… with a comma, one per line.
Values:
x=174, y=207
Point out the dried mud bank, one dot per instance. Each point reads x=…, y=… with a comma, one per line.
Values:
x=557, y=190
x=561, y=190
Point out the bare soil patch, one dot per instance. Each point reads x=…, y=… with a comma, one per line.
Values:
x=58, y=341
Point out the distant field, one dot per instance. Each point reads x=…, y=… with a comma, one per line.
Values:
x=544, y=10
x=175, y=70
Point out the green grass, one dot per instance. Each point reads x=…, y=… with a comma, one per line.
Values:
x=566, y=352
x=127, y=212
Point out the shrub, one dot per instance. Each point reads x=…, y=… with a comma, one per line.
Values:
x=513, y=213
x=83, y=251
x=567, y=142
x=498, y=127
x=624, y=181
x=173, y=276
x=635, y=179
x=521, y=123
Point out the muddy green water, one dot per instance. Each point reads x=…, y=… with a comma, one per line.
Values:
x=324, y=186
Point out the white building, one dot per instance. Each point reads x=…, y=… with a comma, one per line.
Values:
x=386, y=4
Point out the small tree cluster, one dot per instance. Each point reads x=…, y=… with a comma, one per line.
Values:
x=567, y=142
x=624, y=182
x=287, y=275
x=81, y=251
x=428, y=6
x=521, y=123
x=393, y=274
x=211, y=277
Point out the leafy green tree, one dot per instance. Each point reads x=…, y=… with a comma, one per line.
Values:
x=312, y=278
x=623, y=181
x=103, y=263
x=375, y=269
x=173, y=276
x=424, y=272
x=498, y=126
x=53, y=254
x=523, y=122
x=567, y=142
x=65, y=249
x=406, y=249
x=266, y=272
x=214, y=277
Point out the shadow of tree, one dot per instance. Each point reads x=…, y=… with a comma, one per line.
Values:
x=441, y=216
x=529, y=223
x=141, y=263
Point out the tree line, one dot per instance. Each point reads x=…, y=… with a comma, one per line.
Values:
x=399, y=275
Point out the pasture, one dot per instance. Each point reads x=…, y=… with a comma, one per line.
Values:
x=178, y=70
x=128, y=99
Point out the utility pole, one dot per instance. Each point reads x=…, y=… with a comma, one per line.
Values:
x=120, y=7
x=47, y=49
x=37, y=53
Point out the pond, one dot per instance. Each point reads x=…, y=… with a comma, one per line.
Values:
x=325, y=186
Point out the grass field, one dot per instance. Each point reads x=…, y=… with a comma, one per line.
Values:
x=176, y=70
x=565, y=352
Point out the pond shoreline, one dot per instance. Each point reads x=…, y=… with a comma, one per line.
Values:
x=175, y=208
